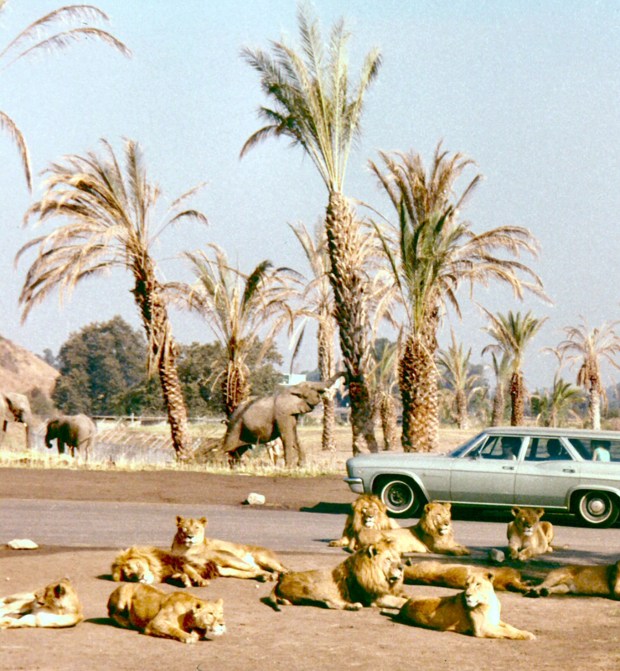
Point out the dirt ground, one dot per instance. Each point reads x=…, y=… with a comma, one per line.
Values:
x=572, y=632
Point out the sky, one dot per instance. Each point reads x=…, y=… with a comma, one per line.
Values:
x=530, y=90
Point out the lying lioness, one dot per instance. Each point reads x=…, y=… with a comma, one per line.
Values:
x=232, y=559
x=585, y=580
x=527, y=535
x=455, y=576
x=56, y=605
x=177, y=615
x=475, y=611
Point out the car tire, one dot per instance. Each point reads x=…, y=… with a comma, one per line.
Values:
x=400, y=495
x=597, y=509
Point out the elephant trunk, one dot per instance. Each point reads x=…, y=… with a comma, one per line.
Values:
x=334, y=378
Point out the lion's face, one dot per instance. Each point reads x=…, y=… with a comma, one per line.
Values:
x=382, y=563
x=207, y=617
x=526, y=519
x=369, y=512
x=478, y=590
x=190, y=531
x=58, y=597
x=437, y=518
x=137, y=569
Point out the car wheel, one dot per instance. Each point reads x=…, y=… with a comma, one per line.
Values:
x=597, y=509
x=401, y=496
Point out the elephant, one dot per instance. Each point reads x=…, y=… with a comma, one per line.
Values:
x=262, y=420
x=74, y=431
x=15, y=407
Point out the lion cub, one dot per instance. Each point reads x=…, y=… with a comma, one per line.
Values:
x=585, y=580
x=527, y=535
x=178, y=615
x=56, y=605
x=372, y=576
x=232, y=559
x=367, y=512
x=432, y=533
x=475, y=611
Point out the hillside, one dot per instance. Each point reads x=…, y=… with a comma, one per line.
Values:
x=22, y=371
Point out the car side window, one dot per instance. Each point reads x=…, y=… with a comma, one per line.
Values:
x=547, y=449
x=498, y=447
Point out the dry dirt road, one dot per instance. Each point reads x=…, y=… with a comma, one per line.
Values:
x=572, y=632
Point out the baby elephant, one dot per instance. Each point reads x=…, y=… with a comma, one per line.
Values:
x=74, y=431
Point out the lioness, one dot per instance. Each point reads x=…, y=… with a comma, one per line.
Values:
x=585, y=580
x=56, y=605
x=432, y=533
x=456, y=575
x=367, y=512
x=178, y=615
x=150, y=565
x=232, y=559
x=372, y=576
x=475, y=611
x=527, y=535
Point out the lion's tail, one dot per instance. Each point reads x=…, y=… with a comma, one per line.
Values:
x=273, y=599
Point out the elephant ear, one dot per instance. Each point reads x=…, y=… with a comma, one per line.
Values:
x=301, y=403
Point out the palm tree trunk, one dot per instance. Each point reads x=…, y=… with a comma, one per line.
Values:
x=517, y=398
x=462, y=420
x=327, y=370
x=594, y=408
x=347, y=280
x=387, y=411
x=497, y=411
x=418, y=380
x=162, y=355
x=235, y=387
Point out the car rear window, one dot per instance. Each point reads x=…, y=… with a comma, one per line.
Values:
x=587, y=447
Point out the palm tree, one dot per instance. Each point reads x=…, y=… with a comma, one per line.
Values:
x=109, y=215
x=501, y=372
x=239, y=309
x=555, y=405
x=37, y=38
x=432, y=252
x=315, y=106
x=318, y=304
x=385, y=383
x=455, y=367
x=512, y=333
x=588, y=347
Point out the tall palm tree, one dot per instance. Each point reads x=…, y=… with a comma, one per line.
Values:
x=318, y=304
x=432, y=252
x=385, y=383
x=40, y=36
x=589, y=347
x=501, y=372
x=454, y=364
x=239, y=309
x=107, y=212
x=512, y=333
x=557, y=404
x=315, y=106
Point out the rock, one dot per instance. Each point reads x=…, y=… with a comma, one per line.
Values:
x=22, y=544
x=255, y=499
x=496, y=556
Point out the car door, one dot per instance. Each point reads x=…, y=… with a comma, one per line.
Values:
x=546, y=474
x=487, y=475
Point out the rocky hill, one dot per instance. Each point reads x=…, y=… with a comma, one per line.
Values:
x=23, y=371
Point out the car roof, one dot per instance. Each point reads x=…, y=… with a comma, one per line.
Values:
x=547, y=431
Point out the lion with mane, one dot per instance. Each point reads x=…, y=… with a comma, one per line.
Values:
x=432, y=533
x=178, y=615
x=232, y=559
x=55, y=605
x=148, y=564
x=475, y=611
x=372, y=576
x=527, y=535
x=601, y=580
x=367, y=512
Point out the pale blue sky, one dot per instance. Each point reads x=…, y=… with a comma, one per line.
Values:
x=530, y=90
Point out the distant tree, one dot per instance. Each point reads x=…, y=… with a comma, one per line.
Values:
x=49, y=358
x=40, y=36
x=588, y=348
x=553, y=407
x=97, y=365
x=512, y=333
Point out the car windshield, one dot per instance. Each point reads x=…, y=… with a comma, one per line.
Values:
x=464, y=449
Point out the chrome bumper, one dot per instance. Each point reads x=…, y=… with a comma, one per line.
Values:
x=355, y=484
